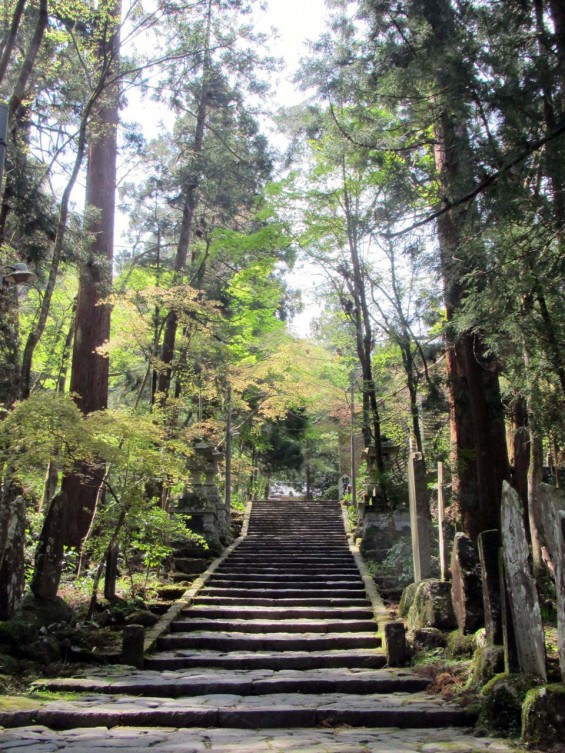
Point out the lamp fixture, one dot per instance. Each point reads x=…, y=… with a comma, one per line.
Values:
x=17, y=274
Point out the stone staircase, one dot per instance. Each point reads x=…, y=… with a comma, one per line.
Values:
x=282, y=635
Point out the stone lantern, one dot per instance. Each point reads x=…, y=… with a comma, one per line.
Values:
x=201, y=499
x=373, y=495
x=376, y=523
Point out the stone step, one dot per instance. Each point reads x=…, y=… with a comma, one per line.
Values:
x=193, y=682
x=316, y=563
x=225, y=581
x=233, y=641
x=301, y=625
x=325, y=547
x=301, y=552
x=277, y=613
x=288, y=602
x=290, y=660
x=246, y=712
x=281, y=577
x=289, y=570
x=283, y=593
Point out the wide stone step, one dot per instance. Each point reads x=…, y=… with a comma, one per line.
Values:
x=306, y=585
x=277, y=613
x=274, y=660
x=281, y=577
x=234, y=641
x=288, y=548
x=283, y=593
x=288, y=602
x=274, y=626
x=282, y=559
x=247, y=712
x=302, y=554
x=193, y=682
x=289, y=570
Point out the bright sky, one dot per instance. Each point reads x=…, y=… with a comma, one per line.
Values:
x=297, y=22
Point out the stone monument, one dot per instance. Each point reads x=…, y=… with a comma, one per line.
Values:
x=202, y=500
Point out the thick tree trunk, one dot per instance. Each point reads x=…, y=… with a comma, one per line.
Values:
x=480, y=456
x=520, y=448
x=12, y=545
x=50, y=550
x=89, y=375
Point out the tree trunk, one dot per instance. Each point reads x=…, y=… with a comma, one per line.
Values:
x=520, y=448
x=11, y=38
x=50, y=550
x=89, y=375
x=190, y=201
x=12, y=545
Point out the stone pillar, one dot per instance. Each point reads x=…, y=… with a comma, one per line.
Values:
x=466, y=591
x=420, y=522
x=552, y=513
x=489, y=545
x=511, y=664
x=395, y=644
x=132, y=645
x=522, y=594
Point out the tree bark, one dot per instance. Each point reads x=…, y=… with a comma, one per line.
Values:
x=50, y=550
x=479, y=452
x=89, y=374
x=12, y=545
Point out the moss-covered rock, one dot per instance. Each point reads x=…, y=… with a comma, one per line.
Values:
x=460, y=646
x=543, y=717
x=432, y=606
x=15, y=635
x=8, y=665
x=45, y=612
x=142, y=617
x=407, y=599
x=488, y=662
x=501, y=703
x=426, y=639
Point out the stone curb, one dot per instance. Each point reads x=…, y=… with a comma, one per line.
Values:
x=379, y=609
x=164, y=624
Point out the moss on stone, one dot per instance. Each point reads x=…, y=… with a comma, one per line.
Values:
x=460, y=646
x=407, y=599
x=501, y=703
x=543, y=717
x=488, y=662
x=17, y=703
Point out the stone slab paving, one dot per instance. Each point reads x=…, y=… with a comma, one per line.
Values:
x=38, y=739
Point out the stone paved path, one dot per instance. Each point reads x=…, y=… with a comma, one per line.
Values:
x=278, y=652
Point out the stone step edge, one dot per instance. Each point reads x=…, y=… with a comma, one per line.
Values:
x=195, y=686
x=240, y=718
x=184, y=601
